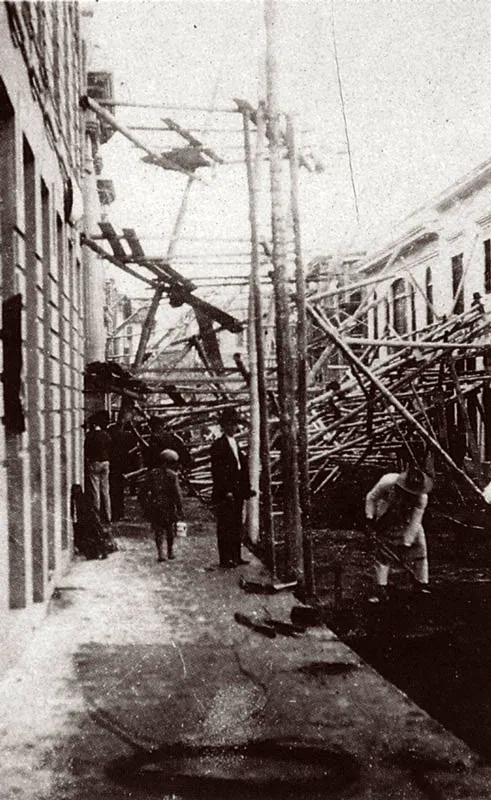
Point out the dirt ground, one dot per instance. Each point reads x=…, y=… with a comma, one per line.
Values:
x=437, y=649
x=140, y=683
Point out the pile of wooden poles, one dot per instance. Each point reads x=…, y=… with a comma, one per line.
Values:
x=402, y=402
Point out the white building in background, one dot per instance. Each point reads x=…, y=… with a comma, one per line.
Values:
x=441, y=258
x=438, y=264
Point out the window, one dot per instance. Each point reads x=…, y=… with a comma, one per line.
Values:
x=375, y=315
x=399, y=305
x=412, y=304
x=457, y=283
x=387, y=315
x=487, y=266
x=430, y=316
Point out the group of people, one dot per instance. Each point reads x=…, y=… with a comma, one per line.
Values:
x=107, y=448
x=394, y=507
x=161, y=496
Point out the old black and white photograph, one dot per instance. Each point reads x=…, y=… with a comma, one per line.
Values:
x=245, y=400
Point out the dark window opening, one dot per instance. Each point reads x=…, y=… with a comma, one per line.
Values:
x=487, y=266
x=412, y=303
x=457, y=283
x=399, y=302
x=430, y=316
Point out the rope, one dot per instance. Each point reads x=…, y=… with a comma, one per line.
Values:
x=343, y=108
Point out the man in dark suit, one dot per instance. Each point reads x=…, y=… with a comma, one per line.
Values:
x=230, y=488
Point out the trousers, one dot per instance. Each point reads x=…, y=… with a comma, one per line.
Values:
x=229, y=531
x=98, y=478
x=166, y=529
x=415, y=556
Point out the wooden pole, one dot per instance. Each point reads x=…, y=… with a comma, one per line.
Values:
x=402, y=344
x=434, y=444
x=284, y=357
x=85, y=240
x=162, y=160
x=253, y=182
x=254, y=450
x=147, y=326
x=349, y=287
x=303, y=440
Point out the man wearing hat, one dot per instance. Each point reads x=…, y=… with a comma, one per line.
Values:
x=231, y=487
x=394, y=509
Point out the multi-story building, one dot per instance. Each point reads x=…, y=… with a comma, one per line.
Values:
x=440, y=260
x=435, y=267
x=43, y=164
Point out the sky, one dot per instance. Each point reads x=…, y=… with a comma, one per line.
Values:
x=416, y=97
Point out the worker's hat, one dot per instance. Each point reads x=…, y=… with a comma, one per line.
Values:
x=230, y=415
x=414, y=481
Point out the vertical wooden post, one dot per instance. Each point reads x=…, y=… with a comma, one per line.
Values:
x=284, y=357
x=332, y=333
x=147, y=328
x=303, y=443
x=253, y=178
x=154, y=305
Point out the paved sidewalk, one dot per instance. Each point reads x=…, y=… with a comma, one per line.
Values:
x=140, y=684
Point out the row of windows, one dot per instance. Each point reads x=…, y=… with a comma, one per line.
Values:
x=400, y=306
x=48, y=35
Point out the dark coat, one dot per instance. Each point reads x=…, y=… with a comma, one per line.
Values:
x=161, y=497
x=226, y=475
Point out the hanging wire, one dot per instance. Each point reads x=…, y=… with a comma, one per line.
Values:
x=343, y=108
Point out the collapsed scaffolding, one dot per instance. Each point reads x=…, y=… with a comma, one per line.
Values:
x=429, y=401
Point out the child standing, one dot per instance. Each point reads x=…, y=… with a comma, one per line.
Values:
x=162, y=501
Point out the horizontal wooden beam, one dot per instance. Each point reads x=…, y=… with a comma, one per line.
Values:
x=419, y=345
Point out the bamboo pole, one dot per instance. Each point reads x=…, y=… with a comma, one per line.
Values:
x=286, y=383
x=303, y=439
x=253, y=182
x=88, y=242
x=471, y=438
x=433, y=443
x=349, y=287
x=254, y=437
x=420, y=345
x=147, y=326
x=102, y=113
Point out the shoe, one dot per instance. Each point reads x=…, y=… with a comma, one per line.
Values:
x=423, y=589
x=380, y=596
x=227, y=565
x=171, y=556
x=240, y=562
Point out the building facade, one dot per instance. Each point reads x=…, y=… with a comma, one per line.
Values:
x=42, y=157
x=436, y=268
x=441, y=259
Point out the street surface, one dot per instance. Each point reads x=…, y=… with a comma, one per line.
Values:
x=140, y=684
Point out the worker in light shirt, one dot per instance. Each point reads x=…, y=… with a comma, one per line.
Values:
x=394, y=510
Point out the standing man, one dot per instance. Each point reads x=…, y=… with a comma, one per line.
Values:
x=121, y=444
x=394, y=509
x=230, y=488
x=97, y=449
